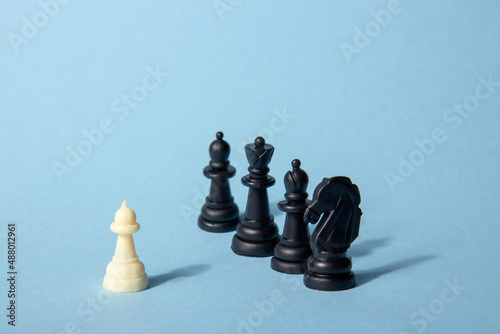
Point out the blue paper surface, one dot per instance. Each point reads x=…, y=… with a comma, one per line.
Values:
x=106, y=101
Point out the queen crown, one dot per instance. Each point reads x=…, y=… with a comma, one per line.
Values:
x=259, y=154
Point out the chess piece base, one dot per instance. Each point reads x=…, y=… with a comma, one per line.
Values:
x=253, y=248
x=218, y=227
x=125, y=285
x=290, y=260
x=335, y=282
x=329, y=272
x=286, y=267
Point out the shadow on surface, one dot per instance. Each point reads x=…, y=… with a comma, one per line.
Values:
x=188, y=271
x=365, y=276
x=366, y=247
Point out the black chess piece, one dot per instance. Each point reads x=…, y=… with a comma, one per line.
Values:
x=219, y=213
x=293, y=249
x=336, y=201
x=257, y=234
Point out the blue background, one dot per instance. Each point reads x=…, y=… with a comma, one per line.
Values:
x=236, y=71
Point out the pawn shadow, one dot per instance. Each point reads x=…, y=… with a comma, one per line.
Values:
x=365, y=276
x=367, y=247
x=188, y=271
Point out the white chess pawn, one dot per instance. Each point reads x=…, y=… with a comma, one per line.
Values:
x=125, y=273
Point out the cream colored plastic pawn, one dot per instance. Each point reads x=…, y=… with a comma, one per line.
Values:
x=125, y=273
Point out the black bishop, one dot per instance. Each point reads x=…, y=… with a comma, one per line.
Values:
x=293, y=249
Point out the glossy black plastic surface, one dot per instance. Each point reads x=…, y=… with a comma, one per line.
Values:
x=219, y=213
x=257, y=234
x=293, y=249
x=335, y=206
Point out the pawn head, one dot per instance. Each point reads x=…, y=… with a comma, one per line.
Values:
x=219, y=149
x=125, y=215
